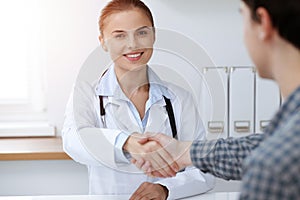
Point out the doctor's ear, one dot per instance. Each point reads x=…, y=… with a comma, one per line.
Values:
x=101, y=39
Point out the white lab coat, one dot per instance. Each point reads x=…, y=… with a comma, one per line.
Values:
x=107, y=174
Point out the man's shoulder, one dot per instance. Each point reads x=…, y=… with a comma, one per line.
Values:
x=280, y=148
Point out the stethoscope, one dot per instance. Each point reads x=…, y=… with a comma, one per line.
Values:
x=169, y=109
x=102, y=112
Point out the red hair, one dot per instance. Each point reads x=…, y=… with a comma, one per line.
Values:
x=115, y=6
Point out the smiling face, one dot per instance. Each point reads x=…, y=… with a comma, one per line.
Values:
x=128, y=36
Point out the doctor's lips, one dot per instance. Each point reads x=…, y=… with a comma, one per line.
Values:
x=135, y=56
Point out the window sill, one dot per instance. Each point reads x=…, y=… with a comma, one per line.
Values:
x=49, y=148
x=26, y=129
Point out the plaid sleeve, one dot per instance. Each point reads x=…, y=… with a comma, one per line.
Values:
x=224, y=157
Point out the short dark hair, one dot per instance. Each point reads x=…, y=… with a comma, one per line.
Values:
x=285, y=16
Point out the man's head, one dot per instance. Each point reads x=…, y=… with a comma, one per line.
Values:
x=269, y=27
x=285, y=16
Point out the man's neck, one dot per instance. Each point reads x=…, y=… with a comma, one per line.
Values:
x=286, y=68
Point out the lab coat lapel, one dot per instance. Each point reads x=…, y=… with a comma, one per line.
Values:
x=157, y=118
x=124, y=118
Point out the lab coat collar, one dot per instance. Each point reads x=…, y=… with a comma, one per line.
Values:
x=108, y=86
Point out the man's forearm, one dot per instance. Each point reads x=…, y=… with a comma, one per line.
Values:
x=224, y=157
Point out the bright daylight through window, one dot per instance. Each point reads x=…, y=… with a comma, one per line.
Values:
x=22, y=106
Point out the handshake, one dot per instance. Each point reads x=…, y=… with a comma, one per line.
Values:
x=158, y=155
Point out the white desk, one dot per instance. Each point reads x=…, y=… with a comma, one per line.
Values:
x=208, y=196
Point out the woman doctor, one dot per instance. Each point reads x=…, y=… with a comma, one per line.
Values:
x=130, y=99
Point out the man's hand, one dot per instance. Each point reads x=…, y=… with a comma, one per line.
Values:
x=150, y=191
x=180, y=152
x=152, y=154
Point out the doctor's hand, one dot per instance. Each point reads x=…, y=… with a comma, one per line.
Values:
x=150, y=191
x=180, y=151
x=150, y=153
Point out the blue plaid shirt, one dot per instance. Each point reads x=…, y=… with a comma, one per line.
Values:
x=268, y=164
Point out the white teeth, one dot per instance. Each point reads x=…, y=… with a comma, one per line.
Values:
x=133, y=55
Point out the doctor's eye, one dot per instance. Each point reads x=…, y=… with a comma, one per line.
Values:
x=120, y=36
x=143, y=32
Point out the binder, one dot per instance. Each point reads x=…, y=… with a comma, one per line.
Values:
x=241, y=101
x=214, y=102
x=268, y=101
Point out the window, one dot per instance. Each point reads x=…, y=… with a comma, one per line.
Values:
x=22, y=105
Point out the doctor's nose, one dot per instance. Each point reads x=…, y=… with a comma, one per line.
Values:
x=132, y=42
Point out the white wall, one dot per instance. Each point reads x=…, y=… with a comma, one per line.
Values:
x=50, y=177
x=216, y=25
x=70, y=33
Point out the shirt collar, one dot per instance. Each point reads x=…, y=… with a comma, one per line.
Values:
x=158, y=88
x=109, y=86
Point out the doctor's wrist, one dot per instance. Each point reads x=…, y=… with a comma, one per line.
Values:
x=129, y=142
x=184, y=159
